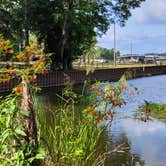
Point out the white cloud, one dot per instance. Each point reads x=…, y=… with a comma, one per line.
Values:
x=151, y=11
x=145, y=29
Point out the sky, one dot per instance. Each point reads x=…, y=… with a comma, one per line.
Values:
x=145, y=30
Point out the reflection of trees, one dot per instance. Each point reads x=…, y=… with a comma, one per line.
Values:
x=124, y=157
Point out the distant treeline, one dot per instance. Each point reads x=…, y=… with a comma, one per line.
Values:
x=108, y=54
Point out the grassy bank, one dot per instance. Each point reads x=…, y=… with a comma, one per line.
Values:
x=156, y=110
x=109, y=66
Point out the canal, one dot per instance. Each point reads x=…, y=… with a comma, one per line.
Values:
x=143, y=143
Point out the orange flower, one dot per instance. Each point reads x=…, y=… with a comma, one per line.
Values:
x=115, y=103
x=98, y=120
x=11, y=52
x=42, y=59
x=36, y=64
x=42, y=71
x=95, y=87
x=123, y=86
x=30, y=53
x=20, y=56
x=18, y=89
x=3, y=43
x=37, y=52
x=27, y=48
x=110, y=113
x=10, y=71
x=32, y=79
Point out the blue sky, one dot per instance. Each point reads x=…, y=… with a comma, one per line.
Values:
x=145, y=30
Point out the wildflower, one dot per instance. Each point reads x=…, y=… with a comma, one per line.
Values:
x=95, y=88
x=42, y=59
x=18, y=89
x=116, y=103
x=20, y=56
x=3, y=43
x=110, y=113
x=93, y=112
x=36, y=64
x=11, y=52
x=27, y=48
x=123, y=86
x=42, y=71
x=30, y=53
x=37, y=52
x=10, y=71
x=32, y=79
x=98, y=120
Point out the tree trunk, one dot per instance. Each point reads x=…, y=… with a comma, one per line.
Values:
x=28, y=107
x=26, y=37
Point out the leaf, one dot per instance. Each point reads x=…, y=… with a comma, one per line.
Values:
x=24, y=113
x=19, y=131
x=40, y=155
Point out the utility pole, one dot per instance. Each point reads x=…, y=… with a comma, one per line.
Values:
x=114, y=45
x=131, y=49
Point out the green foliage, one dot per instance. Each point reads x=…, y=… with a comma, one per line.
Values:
x=17, y=145
x=66, y=27
x=14, y=149
x=156, y=110
x=69, y=134
x=107, y=54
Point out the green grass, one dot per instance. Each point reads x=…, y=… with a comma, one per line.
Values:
x=68, y=134
x=157, y=110
x=110, y=66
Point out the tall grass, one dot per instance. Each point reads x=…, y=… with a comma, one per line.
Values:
x=69, y=134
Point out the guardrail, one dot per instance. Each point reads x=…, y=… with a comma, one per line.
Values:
x=58, y=78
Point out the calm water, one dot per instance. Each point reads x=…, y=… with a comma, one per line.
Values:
x=143, y=142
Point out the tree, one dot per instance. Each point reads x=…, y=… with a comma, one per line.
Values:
x=14, y=24
x=74, y=24
x=67, y=27
x=107, y=54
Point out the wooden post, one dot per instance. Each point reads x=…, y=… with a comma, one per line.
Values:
x=28, y=106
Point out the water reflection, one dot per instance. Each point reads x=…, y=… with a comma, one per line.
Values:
x=125, y=156
x=143, y=141
x=146, y=139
